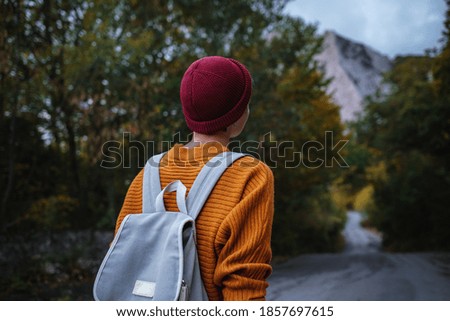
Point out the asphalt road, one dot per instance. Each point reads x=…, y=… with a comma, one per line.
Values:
x=362, y=272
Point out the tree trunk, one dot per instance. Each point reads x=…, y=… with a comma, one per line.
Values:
x=11, y=162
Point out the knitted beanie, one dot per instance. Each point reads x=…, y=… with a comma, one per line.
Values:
x=214, y=93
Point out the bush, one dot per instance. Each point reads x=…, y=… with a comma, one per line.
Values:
x=412, y=205
x=363, y=201
x=53, y=213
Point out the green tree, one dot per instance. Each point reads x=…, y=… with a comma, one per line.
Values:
x=82, y=73
x=290, y=104
x=408, y=133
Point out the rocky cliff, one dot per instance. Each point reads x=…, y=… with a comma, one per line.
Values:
x=356, y=72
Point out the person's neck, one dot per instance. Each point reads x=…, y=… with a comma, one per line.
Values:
x=199, y=139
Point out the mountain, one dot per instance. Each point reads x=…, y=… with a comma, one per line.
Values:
x=356, y=72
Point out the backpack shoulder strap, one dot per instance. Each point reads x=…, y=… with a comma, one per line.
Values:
x=151, y=183
x=207, y=179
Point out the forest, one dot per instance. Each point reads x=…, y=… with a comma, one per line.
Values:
x=89, y=89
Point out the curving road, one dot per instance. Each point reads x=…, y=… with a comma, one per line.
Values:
x=362, y=272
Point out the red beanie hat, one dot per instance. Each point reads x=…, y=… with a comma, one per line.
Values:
x=214, y=93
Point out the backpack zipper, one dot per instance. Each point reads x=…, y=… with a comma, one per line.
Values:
x=184, y=291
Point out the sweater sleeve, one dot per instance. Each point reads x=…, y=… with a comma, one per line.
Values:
x=243, y=241
x=133, y=200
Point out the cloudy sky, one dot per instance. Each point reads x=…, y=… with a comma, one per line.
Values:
x=392, y=27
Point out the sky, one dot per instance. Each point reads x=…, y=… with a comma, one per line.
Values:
x=391, y=27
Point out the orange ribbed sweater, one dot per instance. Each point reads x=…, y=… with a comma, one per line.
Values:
x=234, y=227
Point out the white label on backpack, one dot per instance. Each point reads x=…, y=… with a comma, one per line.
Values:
x=144, y=288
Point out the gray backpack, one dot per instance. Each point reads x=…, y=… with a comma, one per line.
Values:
x=153, y=255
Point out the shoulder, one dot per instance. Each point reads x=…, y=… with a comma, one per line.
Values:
x=251, y=163
x=252, y=168
x=138, y=178
x=135, y=187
